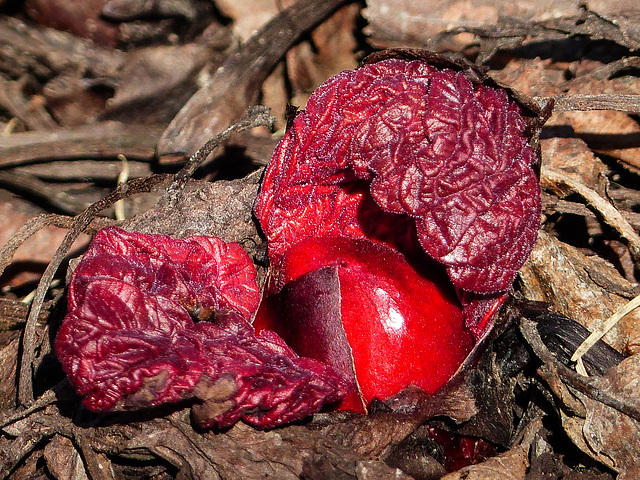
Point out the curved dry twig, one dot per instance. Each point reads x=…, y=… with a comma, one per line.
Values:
x=552, y=177
x=602, y=101
x=79, y=224
x=257, y=116
x=35, y=224
x=597, y=334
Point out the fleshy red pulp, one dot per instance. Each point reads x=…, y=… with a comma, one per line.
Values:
x=404, y=327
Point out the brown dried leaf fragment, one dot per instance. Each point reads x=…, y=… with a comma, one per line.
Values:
x=451, y=24
x=552, y=177
x=243, y=452
x=606, y=434
x=510, y=465
x=63, y=460
x=586, y=289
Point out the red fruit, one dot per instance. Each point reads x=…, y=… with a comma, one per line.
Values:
x=407, y=161
x=404, y=326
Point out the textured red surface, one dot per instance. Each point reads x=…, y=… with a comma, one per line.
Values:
x=136, y=333
x=398, y=145
x=400, y=156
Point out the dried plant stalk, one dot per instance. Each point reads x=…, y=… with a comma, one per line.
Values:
x=610, y=214
x=78, y=225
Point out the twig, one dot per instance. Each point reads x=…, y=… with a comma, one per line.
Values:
x=36, y=224
x=551, y=204
x=122, y=178
x=28, y=298
x=80, y=222
x=38, y=427
x=614, y=218
x=96, y=464
x=31, y=113
x=31, y=187
x=597, y=334
x=99, y=140
x=609, y=213
x=604, y=101
x=258, y=116
x=46, y=399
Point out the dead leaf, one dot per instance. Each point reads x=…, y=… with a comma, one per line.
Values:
x=223, y=209
x=586, y=289
x=606, y=434
x=609, y=133
x=63, y=460
x=156, y=82
x=34, y=254
x=573, y=157
x=456, y=24
x=510, y=465
x=8, y=367
x=243, y=452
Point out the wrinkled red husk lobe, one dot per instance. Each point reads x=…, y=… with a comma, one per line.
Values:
x=134, y=335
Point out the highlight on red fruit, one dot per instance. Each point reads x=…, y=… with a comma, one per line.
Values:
x=154, y=320
x=394, y=174
x=357, y=317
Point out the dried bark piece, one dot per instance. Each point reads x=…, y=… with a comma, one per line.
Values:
x=585, y=288
x=156, y=82
x=451, y=25
x=236, y=84
x=555, y=178
x=242, y=452
x=63, y=459
x=127, y=10
x=99, y=140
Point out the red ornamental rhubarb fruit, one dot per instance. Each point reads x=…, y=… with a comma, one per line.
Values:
x=394, y=173
x=153, y=320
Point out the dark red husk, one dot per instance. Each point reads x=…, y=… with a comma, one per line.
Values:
x=420, y=158
x=132, y=337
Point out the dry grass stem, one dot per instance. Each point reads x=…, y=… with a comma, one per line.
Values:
x=597, y=334
x=554, y=178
